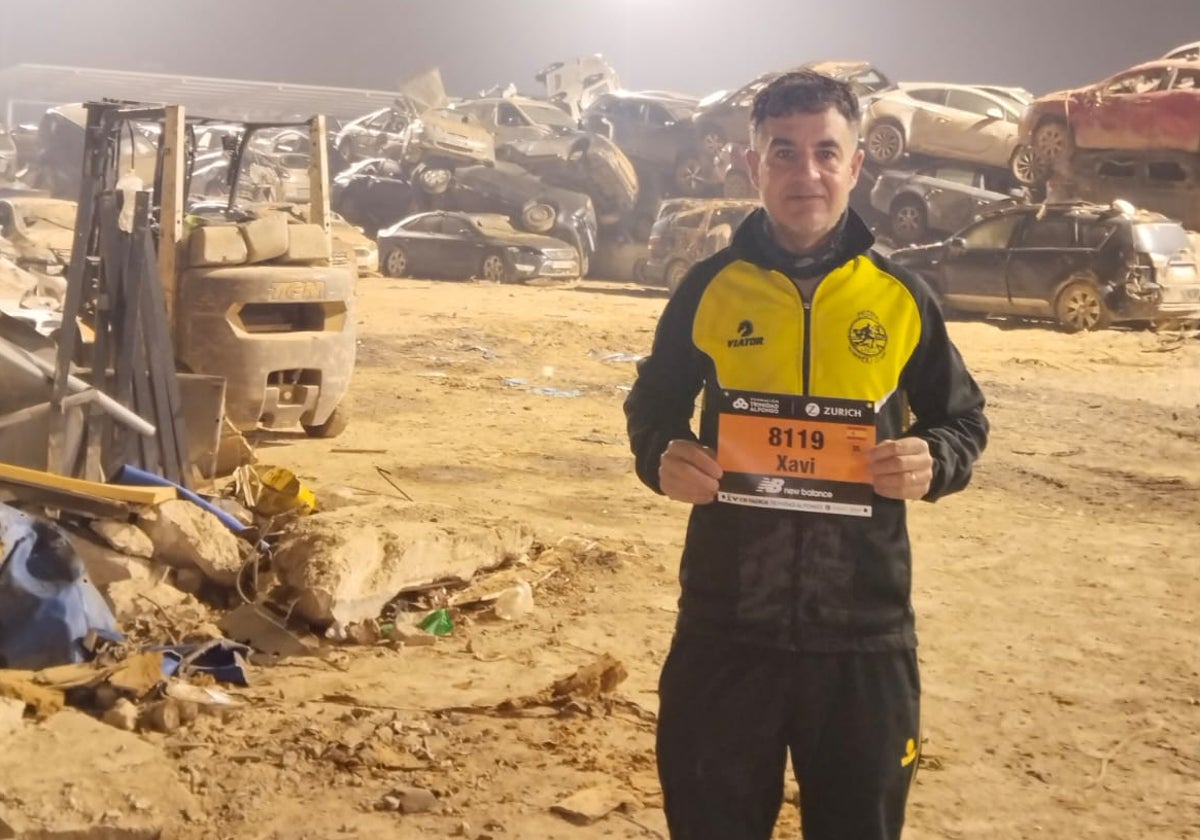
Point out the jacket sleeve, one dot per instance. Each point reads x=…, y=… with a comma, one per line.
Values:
x=947, y=403
x=660, y=405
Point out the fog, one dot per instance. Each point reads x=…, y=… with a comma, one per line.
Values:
x=694, y=46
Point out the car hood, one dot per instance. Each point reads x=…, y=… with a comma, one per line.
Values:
x=531, y=240
x=929, y=183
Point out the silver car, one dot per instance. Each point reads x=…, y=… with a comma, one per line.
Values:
x=936, y=199
x=959, y=122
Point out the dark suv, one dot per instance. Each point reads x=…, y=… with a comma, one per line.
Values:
x=687, y=231
x=1084, y=265
x=653, y=130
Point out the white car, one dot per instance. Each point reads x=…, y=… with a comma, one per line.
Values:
x=959, y=122
x=1187, y=52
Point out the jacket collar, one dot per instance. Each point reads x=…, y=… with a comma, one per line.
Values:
x=754, y=243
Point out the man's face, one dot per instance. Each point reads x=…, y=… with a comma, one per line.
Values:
x=804, y=166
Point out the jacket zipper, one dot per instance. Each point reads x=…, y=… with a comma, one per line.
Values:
x=807, y=342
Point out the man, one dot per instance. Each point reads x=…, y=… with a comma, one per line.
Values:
x=795, y=629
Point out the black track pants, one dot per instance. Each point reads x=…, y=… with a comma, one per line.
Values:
x=729, y=713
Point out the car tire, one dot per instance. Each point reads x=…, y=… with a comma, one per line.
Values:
x=493, y=269
x=395, y=262
x=1024, y=166
x=333, y=426
x=689, y=175
x=675, y=272
x=738, y=185
x=1080, y=307
x=537, y=217
x=1052, y=144
x=909, y=221
x=433, y=180
x=712, y=140
x=885, y=143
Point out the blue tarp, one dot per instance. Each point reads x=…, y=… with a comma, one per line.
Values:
x=47, y=604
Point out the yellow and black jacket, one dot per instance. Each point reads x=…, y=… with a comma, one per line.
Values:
x=872, y=331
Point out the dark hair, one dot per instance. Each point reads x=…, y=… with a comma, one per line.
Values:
x=804, y=92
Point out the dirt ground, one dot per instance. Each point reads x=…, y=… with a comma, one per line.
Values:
x=1055, y=598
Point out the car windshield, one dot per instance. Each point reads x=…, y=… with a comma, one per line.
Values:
x=548, y=115
x=1161, y=238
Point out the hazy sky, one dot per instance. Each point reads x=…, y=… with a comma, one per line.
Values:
x=694, y=46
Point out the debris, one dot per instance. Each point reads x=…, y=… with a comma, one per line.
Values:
x=105, y=566
x=616, y=358
x=344, y=566
x=123, y=715
x=185, y=535
x=138, y=673
x=12, y=715
x=586, y=806
x=48, y=605
x=408, y=800
x=111, y=492
x=514, y=602
x=556, y=392
x=124, y=537
x=271, y=491
x=438, y=623
x=19, y=685
x=254, y=626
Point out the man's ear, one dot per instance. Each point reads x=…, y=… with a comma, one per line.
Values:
x=753, y=158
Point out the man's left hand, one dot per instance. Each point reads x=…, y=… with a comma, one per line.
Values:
x=901, y=469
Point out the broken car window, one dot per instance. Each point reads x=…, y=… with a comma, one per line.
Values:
x=993, y=234
x=1143, y=81
x=1051, y=232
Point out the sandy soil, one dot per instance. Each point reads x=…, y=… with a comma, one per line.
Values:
x=1055, y=598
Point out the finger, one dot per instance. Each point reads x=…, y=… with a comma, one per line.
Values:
x=900, y=446
x=682, y=481
x=903, y=463
x=700, y=457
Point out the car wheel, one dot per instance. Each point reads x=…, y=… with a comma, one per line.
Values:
x=1024, y=166
x=712, y=140
x=1080, y=307
x=493, y=269
x=689, y=175
x=333, y=426
x=885, y=143
x=537, y=217
x=1052, y=142
x=738, y=185
x=676, y=271
x=910, y=222
x=433, y=180
x=395, y=262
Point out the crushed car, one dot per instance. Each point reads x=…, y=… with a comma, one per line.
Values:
x=465, y=245
x=1087, y=266
x=572, y=84
x=1151, y=106
x=40, y=230
x=1164, y=181
x=936, y=199
x=373, y=193
x=530, y=204
x=956, y=122
x=688, y=231
x=656, y=132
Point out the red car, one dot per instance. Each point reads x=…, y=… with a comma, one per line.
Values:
x=1150, y=106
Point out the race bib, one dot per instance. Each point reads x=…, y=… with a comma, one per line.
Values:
x=795, y=452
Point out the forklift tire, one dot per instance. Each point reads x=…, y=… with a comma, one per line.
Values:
x=333, y=426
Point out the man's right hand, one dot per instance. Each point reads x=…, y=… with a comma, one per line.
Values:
x=688, y=472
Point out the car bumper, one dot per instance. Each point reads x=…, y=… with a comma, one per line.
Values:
x=654, y=271
x=546, y=268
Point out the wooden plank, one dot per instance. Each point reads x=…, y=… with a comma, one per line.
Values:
x=115, y=492
x=173, y=198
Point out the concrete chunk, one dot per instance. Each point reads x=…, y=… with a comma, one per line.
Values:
x=185, y=535
x=105, y=566
x=346, y=564
x=124, y=537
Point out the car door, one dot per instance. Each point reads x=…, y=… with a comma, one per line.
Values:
x=975, y=265
x=422, y=241
x=511, y=124
x=1043, y=254
x=1118, y=114
x=981, y=128
x=929, y=126
x=462, y=246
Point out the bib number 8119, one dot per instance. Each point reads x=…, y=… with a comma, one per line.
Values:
x=796, y=439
